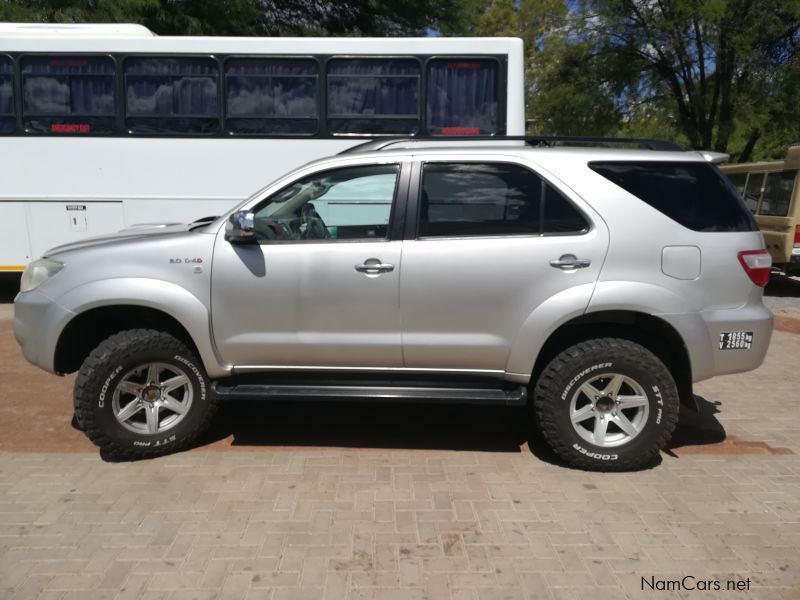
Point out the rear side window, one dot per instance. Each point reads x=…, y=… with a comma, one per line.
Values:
x=462, y=96
x=68, y=94
x=171, y=95
x=373, y=96
x=777, y=195
x=7, y=124
x=271, y=96
x=694, y=194
x=470, y=199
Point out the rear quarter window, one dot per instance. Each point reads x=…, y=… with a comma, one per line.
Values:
x=694, y=194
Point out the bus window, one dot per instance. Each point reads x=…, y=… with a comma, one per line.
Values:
x=68, y=94
x=379, y=96
x=171, y=95
x=271, y=96
x=7, y=124
x=752, y=191
x=462, y=97
x=777, y=194
x=738, y=180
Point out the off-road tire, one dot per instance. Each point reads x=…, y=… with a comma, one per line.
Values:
x=98, y=377
x=576, y=365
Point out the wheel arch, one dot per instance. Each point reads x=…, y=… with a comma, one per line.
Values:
x=106, y=307
x=87, y=329
x=652, y=332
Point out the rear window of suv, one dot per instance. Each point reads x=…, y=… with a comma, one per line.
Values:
x=694, y=194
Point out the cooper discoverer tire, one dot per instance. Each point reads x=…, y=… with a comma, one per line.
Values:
x=142, y=393
x=606, y=404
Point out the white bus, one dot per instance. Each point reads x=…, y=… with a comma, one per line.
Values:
x=104, y=127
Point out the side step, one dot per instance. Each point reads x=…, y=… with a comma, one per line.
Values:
x=466, y=395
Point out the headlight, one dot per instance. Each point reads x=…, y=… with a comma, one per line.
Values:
x=37, y=272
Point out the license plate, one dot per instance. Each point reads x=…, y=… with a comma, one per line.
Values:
x=735, y=340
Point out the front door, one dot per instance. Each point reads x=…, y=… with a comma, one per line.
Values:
x=493, y=241
x=320, y=288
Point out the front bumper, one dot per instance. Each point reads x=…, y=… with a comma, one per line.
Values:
x=38, y=322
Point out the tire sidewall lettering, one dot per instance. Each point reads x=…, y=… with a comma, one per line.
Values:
x=199, y=379
x=101, y=402
x=660, y=402
x=596, y=455
x=584, y=372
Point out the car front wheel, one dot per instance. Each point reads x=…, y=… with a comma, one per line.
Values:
x=142, y=393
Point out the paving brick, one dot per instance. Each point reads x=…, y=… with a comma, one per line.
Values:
x=330, y=523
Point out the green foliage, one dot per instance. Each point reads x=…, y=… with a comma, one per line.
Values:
x=720, y=74
x=246, y=17
x=713, y=71
x=76, y=11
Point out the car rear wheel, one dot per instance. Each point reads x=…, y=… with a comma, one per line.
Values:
x=606, y=404
x=142, y=393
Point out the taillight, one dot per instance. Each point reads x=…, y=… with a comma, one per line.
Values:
x=757, y=264
x=797, y=235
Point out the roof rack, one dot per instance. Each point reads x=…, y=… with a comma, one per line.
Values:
x=647, y=143
x=530, y=140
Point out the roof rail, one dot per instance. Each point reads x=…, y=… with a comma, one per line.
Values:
x=376, y=145
x=531, y=140
x=649, y=144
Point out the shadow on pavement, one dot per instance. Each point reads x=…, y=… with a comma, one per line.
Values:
x=418, y=426
x=370, y=425
x=698, y=428
x=9, y=286
x=783, y=287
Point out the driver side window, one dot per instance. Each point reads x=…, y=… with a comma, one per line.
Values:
x=354, y=203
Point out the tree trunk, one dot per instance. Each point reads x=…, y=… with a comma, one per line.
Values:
x=747, y=152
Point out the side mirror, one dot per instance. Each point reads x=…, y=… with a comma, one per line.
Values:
x=240, y=227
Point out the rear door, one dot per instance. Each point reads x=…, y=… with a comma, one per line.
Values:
x=487, y=242
x=678, y=224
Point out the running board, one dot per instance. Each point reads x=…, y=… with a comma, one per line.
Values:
x=467, y=395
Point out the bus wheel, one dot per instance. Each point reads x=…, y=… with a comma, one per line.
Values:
x=142, y=393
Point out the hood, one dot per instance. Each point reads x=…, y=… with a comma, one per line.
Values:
x=135, y=232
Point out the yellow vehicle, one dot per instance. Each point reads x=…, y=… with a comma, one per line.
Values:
x=772, y=193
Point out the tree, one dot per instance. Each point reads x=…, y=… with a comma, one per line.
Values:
x=717, y=72
x=563, y=96
x=76, y=11
x=246, y=17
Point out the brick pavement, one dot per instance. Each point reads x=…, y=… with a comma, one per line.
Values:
x=354, y=503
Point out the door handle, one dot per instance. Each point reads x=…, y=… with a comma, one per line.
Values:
x=376, y=267
x=569, y=262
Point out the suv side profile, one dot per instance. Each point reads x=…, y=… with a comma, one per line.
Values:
x=596, y=284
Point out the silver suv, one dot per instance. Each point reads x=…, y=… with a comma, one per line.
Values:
x=596, y=283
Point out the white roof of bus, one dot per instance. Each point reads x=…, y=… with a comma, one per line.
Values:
x=39, y=37
x=74, y=29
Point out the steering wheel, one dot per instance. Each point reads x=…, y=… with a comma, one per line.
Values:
x=312, y=227
x=271, y=230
